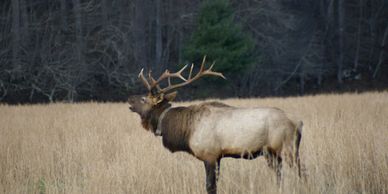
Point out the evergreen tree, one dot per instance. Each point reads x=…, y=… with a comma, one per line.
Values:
x=220, y=39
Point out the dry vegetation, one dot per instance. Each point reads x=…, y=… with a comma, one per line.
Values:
x=101, y=148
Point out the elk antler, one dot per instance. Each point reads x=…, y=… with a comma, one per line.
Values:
x=178, y=74
x=144, y=80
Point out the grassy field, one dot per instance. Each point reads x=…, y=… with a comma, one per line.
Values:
x=101, y=148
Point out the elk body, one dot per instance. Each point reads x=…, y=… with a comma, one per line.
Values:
x=213, y=130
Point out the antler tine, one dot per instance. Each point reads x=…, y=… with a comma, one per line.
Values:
x=154, y=83
x=144, y=80
x=169, y=81
x=191, y=70
x=211, y=66
x=210, y=72
x=202, y=64
x=201, y=73
x=151, y=78
x=179, y=74
x=166, y=74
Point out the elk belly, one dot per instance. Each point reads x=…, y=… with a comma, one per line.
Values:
x=234, y=131
x=244, y=131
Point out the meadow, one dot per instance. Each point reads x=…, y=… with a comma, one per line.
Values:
x=101, y=148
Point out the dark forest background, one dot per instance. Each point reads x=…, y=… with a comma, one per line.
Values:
x=75, y=50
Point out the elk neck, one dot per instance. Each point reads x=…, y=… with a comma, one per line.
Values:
x=150, y=121
x=177, y=125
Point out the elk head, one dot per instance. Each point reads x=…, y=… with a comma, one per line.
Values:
x=158, y=99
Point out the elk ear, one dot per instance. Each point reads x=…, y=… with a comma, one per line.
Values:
x=170, y=96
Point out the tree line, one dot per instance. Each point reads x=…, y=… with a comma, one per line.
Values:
x=61, y=50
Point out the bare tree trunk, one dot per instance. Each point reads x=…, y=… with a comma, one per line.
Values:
x=357, y=54
x=319, y=79
x=301, y=81
x=104, y=13
x=24, y=19
x=340, y=61
x=15, y=34
x=80, y=68
x=158, y=35
x=3, y=90
x=124, y=22
x=381, y=55
x=140, y=33
x=63, y=14
x=180, y=44
x=78, y=31
x=170, y=30
x=124, y=14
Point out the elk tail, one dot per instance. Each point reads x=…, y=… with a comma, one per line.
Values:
x=297, y=139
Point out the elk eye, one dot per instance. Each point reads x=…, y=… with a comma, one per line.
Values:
x=142, y=100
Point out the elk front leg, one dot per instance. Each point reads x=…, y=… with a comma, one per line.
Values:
x=211, y=183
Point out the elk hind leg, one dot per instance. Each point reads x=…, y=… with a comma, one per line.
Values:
x=274, y=161
x=218, y=167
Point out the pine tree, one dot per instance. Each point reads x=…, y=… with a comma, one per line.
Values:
x=220, y=39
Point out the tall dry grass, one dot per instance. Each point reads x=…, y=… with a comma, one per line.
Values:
x=101, y=148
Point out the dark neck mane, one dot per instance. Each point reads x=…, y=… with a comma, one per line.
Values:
x=177, y=125
x=150, y=121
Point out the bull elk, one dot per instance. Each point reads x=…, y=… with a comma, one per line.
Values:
x=213, y=130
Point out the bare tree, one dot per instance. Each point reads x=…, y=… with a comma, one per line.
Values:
x=158, y=34
x=140, y=34
x=383, y=51
x=341, y=31
x=73, y=50
x=15, y=34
